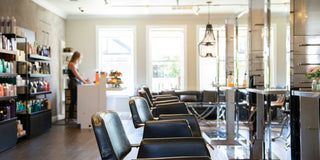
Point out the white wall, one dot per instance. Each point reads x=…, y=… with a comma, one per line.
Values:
x=81, y=36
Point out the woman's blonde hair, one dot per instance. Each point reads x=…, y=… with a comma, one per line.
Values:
x=75, y=57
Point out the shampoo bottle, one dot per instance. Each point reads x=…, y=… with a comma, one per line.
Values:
x=244, y=84
x=97, y=78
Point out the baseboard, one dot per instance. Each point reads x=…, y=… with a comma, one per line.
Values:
x=60, y=117
x=54, y=119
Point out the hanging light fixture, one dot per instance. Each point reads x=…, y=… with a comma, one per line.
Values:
x=207, y=47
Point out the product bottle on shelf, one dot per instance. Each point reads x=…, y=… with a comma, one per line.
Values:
x=230, y=80
x=244, y=84
x=8, y=112
x=48, y=86
x=1, y=116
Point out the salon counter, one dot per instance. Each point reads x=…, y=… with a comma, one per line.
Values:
x=91, y=99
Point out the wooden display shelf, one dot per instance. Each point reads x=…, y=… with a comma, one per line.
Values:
x=40, y=93
x=6, y=98
x=36, y=75
x=38, y=57
x=20, y=111
x=8, y=75
x=8, y=134
x=22, y=61
x=8, y=52
x=12, y=35
x=39, y=75
x=22, y=86
x=36, y=123
x=19, y=137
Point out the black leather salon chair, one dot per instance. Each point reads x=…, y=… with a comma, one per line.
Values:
x=155, y=103
x=164, y=107
x=141, y=114
x=157, y=97
x=113, y=142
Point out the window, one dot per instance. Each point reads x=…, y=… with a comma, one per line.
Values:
x=208, y=66
x=166, y=49
x=116, y=53
x=242, y=54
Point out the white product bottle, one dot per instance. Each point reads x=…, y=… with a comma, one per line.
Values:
x=18, y=80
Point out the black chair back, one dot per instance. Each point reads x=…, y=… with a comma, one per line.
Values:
x=148, y=92
x=173, y=147
x=209, y=96
x=140, y=111
x=112, y=140
x=145, y=96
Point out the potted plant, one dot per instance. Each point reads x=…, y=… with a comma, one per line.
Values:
x=314, y=74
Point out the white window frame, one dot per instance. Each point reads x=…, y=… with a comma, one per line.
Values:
x=98, y=56
x=149, y=67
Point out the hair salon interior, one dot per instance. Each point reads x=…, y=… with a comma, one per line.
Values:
x=165, y=79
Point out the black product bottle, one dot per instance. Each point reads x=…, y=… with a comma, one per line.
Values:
x=49, y=68
x=1, y=115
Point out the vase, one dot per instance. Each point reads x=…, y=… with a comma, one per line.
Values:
x=318, y=85
x=314, y=85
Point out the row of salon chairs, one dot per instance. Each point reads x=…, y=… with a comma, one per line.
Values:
x=170, y=132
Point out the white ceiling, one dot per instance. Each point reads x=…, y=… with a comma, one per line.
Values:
x=71, y=8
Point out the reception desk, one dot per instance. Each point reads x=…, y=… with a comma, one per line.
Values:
x=91, y=99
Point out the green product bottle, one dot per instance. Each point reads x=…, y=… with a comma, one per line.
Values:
x=1, y=66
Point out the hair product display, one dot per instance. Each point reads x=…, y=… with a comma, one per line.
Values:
x=38, y=67
x=39, y=86
x=7, y=111
x=8, y=90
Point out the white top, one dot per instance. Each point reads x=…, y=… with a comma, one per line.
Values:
x=267, y=91
x=311, y=94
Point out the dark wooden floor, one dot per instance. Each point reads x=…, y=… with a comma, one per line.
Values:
x=60, y=143
x=64, y=142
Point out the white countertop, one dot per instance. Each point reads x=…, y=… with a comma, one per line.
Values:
x=267, y=91
x=226, y=87
x=311, y=94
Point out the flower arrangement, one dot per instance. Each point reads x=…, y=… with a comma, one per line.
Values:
x=313, y=73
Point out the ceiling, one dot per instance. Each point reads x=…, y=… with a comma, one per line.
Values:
x=74, y=8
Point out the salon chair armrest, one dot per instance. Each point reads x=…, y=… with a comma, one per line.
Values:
x=166, y=101
x=164, y=98
x=162, y=95
x=167, y=128
x=172, y=147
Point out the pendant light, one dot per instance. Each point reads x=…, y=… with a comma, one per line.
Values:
x=207, y=47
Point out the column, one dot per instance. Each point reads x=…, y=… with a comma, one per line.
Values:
x=255, y=40
x=230, y=58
